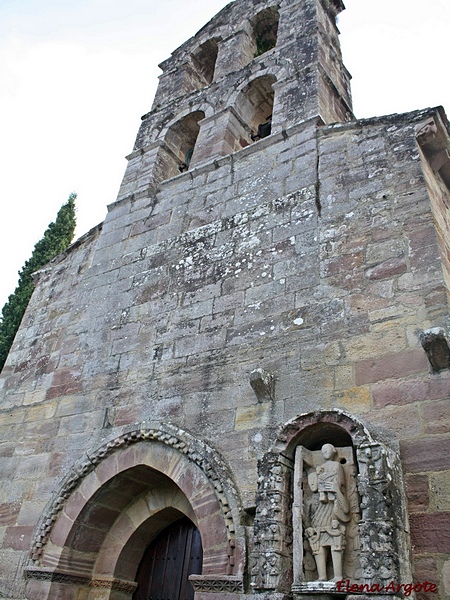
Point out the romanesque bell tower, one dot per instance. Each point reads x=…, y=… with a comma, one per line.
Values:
x=279, y=64
x=236, y=386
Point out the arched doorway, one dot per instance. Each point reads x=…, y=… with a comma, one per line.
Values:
x=98, y=526
x=168, y=561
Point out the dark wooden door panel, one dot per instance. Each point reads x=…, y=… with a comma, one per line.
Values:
x=167, y=563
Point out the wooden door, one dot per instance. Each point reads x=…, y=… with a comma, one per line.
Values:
x=167, y=563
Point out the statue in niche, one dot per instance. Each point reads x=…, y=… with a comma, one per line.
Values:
x=329, y=515
x=328, y=506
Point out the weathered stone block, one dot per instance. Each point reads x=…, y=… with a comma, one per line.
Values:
x=251, y=417
x=426, y=454
x=418, y=493
x=412, y=390
x=393, y=366
x=430, y=533
x=440, y=491
x=18, y=538
x=8, y=513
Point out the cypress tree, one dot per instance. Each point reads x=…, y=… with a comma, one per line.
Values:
x=57, y=237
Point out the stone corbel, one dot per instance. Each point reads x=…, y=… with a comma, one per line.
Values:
x=436, y=344
x=263, y=384
x=432, y=137
x=426, y=131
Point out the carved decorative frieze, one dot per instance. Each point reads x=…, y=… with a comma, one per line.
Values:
x=216, y=583
x=272, y=557
x=379, y=502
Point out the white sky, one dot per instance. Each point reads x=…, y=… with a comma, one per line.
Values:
x=76, y=75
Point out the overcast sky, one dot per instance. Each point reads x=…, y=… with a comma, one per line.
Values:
x=75, y=77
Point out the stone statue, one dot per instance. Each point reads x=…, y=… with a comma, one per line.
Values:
x=328, y=512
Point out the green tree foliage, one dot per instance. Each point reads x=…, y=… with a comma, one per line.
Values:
x=55, y=240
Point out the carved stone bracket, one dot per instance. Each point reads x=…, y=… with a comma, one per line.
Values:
x=433, y=139
x=263, y=384
x=436, y=344
x=426, y=131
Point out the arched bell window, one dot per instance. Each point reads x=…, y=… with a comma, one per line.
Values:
x=265, y=30
x=176, y=153
x=254, y=105
x=204, y=61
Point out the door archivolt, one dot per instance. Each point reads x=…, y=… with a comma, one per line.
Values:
x=96, y=529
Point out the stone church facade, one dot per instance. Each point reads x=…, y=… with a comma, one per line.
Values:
x=251, y=351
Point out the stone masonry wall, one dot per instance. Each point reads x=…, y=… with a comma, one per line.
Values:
x=311, y=254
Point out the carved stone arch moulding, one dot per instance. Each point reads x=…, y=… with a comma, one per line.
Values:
x=199, y=485
x=373, y=536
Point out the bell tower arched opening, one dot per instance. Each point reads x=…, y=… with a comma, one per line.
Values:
x=204, y=59
x=254, y=105
x=176, y=152
x=265, y=30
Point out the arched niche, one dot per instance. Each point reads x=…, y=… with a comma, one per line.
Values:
x=176, y=151
x=94, y=532
x=376, y=497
